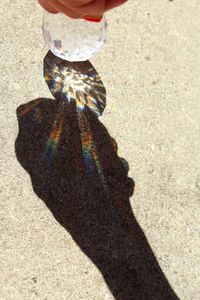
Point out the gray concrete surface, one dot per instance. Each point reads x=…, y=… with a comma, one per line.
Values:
x=150, y=67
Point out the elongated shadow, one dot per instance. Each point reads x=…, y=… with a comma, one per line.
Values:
x=74, y=167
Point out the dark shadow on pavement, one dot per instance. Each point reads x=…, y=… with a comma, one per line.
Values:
x=89, y=195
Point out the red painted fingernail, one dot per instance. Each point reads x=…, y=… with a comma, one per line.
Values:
x=96, y=20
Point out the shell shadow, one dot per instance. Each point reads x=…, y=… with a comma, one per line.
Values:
x=75, y=169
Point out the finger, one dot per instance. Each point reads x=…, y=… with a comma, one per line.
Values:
x=110, y=4
x=47, y=7
x=56, y=7
x=61, y=7
x=89, y=8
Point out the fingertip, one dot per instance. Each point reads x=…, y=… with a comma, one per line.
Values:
x=52, y=11
x=75, y=17
x=110, y=4
x=47, y=7
x=70, y=14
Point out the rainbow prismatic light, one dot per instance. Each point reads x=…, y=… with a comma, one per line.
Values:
x=75, y=82
x=78, y=83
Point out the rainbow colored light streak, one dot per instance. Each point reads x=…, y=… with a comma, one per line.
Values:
x=54, y=137
x=89, y=149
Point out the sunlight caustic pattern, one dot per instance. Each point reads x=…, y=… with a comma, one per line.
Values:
x=86, y=90
x=78, y=83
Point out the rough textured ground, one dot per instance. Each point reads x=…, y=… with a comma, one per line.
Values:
x=150, y=67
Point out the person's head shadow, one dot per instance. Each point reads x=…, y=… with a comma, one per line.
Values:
x=74, y=167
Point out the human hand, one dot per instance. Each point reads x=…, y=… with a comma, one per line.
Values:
x=80, y=8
